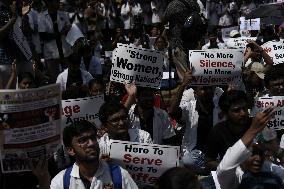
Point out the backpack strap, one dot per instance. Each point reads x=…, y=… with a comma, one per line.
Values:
x=115, y=175
x=66, y=177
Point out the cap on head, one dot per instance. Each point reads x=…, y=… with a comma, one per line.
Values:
x=234, y=33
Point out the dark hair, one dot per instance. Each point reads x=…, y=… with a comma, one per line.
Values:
x=142, y=90
x=230, y=97
x=276, y=72
x=95, y=81
x=24, y=75
x=261, y=180
x=74, y=59
x=178, y=178
x=75, y=129
x=109, y=108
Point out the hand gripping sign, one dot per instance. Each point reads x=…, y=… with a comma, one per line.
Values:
x=262, y=103
x=145, y=162
x=142, y=66
x=216, y=67
x=275, y=49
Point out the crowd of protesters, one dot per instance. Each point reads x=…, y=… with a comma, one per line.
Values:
x=215, y=132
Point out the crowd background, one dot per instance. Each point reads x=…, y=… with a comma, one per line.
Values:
x=177, y=114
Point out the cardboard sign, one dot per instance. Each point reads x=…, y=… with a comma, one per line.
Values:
x=238, y=43
x=250, y=24
x=21, y=40
x=143, y=66
x=29, y=126
x=215, y=67
x=145, y=162
x=275, y=49
x=226, y=32
x=262, y=103
x=82, y=109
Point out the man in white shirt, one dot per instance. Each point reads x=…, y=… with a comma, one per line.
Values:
x=145, y=116
x=88, y=171
x=53, y=26
x=239, y=158
x=114, y=118
x=74, y=76
x=128, y=11
x=213, y=43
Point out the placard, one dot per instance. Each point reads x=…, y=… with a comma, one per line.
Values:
x=143, y=66
x=262, y=103
x=215, y=67
x=30, y=122
x=145, y=162
x=249, y=24
x=82, y=109
x=275, y=49
x=238, y=43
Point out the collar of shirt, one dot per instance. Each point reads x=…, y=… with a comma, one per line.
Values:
x=76, y=174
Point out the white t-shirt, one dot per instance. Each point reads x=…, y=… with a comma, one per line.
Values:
x=101, y=178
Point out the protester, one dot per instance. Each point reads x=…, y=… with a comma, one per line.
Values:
x=53, y=28
x=244, y=164
x=233, y=104
x=116, y=125
x=145, y=116
x=80, y=139
x=163, y=109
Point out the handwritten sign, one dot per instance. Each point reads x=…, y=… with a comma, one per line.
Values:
x=143, y=66
x=215, y=67
x=238, y=43
x=145, y=162
x=275, y=49
x=262, y=103
x=82, y=109
x=30, y=122
x=250, y=24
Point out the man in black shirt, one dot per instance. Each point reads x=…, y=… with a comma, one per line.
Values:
x=234, y=106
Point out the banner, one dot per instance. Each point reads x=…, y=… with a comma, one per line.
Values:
x=21, y=40
x=144, y=162
x=82, y=109
x=262, y=103
x=250, y=24
x=275, y=49
x=215, y=67
x=143, y=66
x=238, y=43
x=226, y=32
x=29, y=126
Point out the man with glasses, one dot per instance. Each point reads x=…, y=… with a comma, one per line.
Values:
x=116, y=125
x=88, y=171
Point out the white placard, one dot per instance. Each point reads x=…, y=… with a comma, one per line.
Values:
x=262, y=103
x=143, y=66
x=82, y=109
x=275, y=49
x=74, y=34
x=215, y=67
x=30, y=123
x=21, y=40
x=238, y=43
x=250, y=24
x=145, y=162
